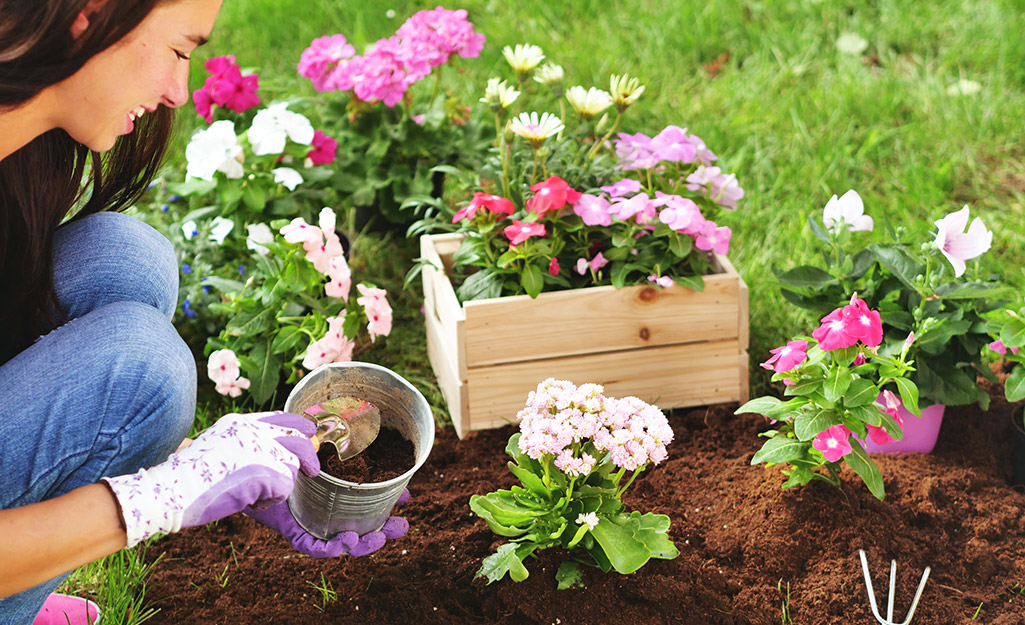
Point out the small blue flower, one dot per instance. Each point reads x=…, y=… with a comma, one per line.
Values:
x=241, y=270
x=186, y=268
x=174, y=198
x=206, y=289
x=187, y=308
x=165, y=207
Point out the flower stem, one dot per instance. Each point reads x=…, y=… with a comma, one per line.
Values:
x=597, y=145
x=633, y=477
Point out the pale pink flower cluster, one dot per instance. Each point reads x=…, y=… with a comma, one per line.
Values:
x=387, y=69
x=223, y=369
x=374, y=302
x=324, y=249
x=560, y=419
x=719, y=187
x=332, y=347
x=673, y=144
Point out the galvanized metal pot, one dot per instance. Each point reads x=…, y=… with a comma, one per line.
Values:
x=325, y=505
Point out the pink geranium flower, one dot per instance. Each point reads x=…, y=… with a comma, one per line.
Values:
x=520, y=231
x=958, y=245
x=787, y=357
x=834, y=443
x=494, y=203
x=322, y=149
x=319, y=60
x=862, y=323
x=551, y=194
x=832, y=334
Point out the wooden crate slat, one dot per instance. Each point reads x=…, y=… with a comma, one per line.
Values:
x=442, y=354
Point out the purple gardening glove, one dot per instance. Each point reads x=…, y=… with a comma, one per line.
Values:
x=280, y=519
x=240, y=462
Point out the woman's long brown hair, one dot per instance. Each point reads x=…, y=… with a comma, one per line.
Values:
x=42, y=183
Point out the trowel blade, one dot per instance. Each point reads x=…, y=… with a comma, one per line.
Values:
x=362, y=417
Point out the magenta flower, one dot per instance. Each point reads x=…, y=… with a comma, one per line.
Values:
x=834, y=443
x=672, y=144
x=520, y=231
x=322, y=149
x=714, y=238
x=323, y=55
x=204, y=103
x=494, y=203
x=551, y=194
x=862, y=323
x=786, y=357
x=624, y=186
x=593, y=210
x=958, y=245
x=832, y=334
x=878, y=434
x=998, y=347
x=598, y=262
x=226, y=87
x=443, y=33
x=553, y=267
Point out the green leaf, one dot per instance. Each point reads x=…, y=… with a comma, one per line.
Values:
x=653, y=531
x=484, y=284
x=758, y=405
x=680, y=245
x=1013, y=332
x=837, y=383
x=970, y=290
x=254, y=197
x=780, y=449
x=1014, y=387
x=502, y=529
x=286, y=338
x=506, y=559
x=618, y=274
x=860, y=393
x=807, y=425
x=531, y=481
x=624, y=551
x=569, y=575
x=249, y=322
x=193, y=186
x=909, y=395
x=817, y=230
x=806, y=276
x=532, y=280
x=804, y=387
x=868, y=413
x=263, y=382
x=859, y=461
x=898, y=262
x=228, y=287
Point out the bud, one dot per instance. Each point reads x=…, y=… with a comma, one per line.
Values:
x=625, y=91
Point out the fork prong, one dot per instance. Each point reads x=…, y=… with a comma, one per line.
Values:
x=893, y=586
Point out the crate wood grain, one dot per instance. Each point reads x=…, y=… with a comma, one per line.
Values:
x=674, y=347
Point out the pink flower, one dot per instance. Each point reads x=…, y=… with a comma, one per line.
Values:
x=958, y=245
x=637, y=206
x=719, y=187
x=859, y=360
x=553, y=267
x=322, y=149
x=379, y=312
x=204, y=104
x=551, y=194
x=520, y=231
x=998, y=347
x=714, y=238
x=298, y=231
x=847, y=211
x=598, y=262
x=494, y=203
x=834, y=442
x=832, y=334
x=232, y=388
x=223, y=369
x=593, y=210
x=635, y=151
x=680, y=214
x=443, y=33
x=787, y=357
x=663, y=281
x=321, y=250
x=319, y=60
x=581, y=266
x=340, y=277
x=234, y=91
x=672, y=144
x=624, y=186
x=862, y=323
x=878, y=434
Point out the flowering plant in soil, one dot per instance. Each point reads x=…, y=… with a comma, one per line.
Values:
x=296, y=311
x=1007, y=329
x=574, y=447
x=563, y=204
x=922, y=287
x=396, y=128
x=834, y=378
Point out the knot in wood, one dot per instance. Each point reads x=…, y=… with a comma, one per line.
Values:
x=648, y=294
x=645, y=334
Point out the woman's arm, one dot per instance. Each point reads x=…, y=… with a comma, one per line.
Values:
x=42, y=540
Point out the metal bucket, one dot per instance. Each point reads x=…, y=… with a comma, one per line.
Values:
x=325, y=505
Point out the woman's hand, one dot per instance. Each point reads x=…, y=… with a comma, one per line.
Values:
x=241, y=461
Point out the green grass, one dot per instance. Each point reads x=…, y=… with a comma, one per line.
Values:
x=117, y=584
x=796, y=119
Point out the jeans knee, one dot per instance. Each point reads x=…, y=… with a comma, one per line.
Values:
x=110, y=257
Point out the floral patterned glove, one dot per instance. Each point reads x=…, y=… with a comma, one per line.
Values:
x=241, y=461
x=280, y=519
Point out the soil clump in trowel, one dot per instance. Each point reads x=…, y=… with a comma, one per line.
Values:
x=390, y=455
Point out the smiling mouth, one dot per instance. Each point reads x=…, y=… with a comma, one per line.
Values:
x=137, y=113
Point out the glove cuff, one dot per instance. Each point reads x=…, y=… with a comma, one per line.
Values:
x=148, y=506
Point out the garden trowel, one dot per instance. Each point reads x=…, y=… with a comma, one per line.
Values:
x=349, y=423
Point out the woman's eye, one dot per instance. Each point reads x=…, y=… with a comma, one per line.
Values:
x=181, y=55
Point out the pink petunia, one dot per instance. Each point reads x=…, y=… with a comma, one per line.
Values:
x=834, y=443
x=787, y=357
x=832, y=334
x=322, y=149
x=520, y=231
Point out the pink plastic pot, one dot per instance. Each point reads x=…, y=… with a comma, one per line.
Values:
x=920, y=434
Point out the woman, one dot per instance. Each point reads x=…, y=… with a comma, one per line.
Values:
x=95, y=383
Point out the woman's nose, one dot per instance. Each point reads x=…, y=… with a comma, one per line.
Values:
x=177, y=92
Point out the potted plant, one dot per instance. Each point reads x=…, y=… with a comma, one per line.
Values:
x=1007, y=328
x=606, y=244
x=924, y=288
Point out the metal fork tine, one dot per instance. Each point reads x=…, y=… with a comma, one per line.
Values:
x=893, y=585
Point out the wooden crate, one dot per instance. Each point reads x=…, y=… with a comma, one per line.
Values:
x=672, y=347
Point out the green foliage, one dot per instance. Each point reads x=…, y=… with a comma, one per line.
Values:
x=117, y=583
x=1007, y=325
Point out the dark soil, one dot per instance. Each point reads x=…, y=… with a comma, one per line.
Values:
x=750, y=552
x=390, y=455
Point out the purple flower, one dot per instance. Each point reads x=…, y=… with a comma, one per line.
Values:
x=187, y=309
x=672, y=144
x=635, y=151
x=186, y=268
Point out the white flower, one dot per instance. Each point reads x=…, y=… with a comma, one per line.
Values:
x=219, y=228
x=590, y=519
x=259, y=234
x=524, y=57
x=327, y=219
x=190, y=229
x=958, y=245
x=549, y=74
x=288, y=177
x=273, y=125
x=625, y=91
x=499, y=95
x=849, y=210
x=535, y=129
x=851, y=43
x=964, y=87
x=214, y=149
x=588, y=102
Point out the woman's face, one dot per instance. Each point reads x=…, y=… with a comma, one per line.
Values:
x=147, y=68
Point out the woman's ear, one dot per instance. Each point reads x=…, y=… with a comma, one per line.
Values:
x=81, y=23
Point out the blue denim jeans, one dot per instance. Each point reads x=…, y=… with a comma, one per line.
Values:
x=108, y=392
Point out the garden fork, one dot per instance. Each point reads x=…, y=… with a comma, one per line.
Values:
x=893, y=582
